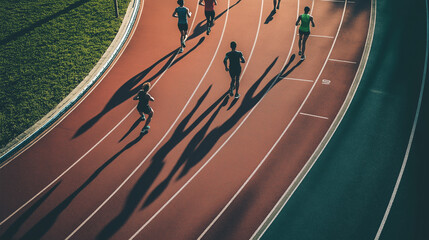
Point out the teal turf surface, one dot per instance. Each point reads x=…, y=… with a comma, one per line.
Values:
x=345, y=194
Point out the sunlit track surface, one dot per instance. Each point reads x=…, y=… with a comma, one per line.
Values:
x=203, y=145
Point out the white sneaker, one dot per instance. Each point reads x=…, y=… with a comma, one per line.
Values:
x=302, y=57
x=181, y=50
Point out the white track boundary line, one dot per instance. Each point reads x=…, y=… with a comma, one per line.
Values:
x=297, y=79
x=205, y=164
x=236, y=194
x=312, y=115
x=65, y=115
x=105, y=136
x=296, y=182
x=165, y=135
x=343, y=61
x=410, y=141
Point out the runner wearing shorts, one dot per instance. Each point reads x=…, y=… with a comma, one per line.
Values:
x=209, y=12
x=276, y=5
x=183, y=14
x=235, y=57
x=304, y=30
x=143, y=106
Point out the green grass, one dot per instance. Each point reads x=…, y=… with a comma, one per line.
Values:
x=46, y=49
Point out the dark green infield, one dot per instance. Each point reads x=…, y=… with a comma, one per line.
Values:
x=46, y=49
x=346, y=193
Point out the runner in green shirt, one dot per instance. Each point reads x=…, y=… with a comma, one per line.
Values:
x=304, y=30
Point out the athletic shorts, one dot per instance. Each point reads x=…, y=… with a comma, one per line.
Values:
x=144, y=108
x=210, y=14
x=305, y=33
x=234, y=72
x=183, y=26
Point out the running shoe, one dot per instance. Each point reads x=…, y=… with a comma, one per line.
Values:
x=208, y=30
x=237, y=96
x=302, y=57
x=181, y=50
x=143, y=118
x=145, y=129
x=299, y=53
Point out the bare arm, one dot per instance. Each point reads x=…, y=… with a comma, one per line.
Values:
x=298, y=20
x=312, y=23
x=188, y=13
x=225, y=63
x=242, y=59
x=175, y=13
x=150, y=97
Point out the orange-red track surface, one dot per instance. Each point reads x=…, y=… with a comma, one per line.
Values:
x=207, y=168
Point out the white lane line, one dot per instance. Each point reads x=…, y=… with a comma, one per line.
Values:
x=214, y=154
x=248, y=179
x=162, y=139
x=312, y=115
x=413, y=131
x=343, y=61
x=105, y=136
x=275, y=211
x=66, y=114
x=337, y=1
x=319, y=36
x=297, y=79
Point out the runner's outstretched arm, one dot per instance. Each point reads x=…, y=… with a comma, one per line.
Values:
x=175, y=13
x=297, y=21
x=312, y=23
x=242, y=59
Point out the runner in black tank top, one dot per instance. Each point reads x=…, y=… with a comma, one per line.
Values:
x=143, y=106
x=235, y=57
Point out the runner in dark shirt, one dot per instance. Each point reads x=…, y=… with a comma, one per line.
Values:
x=235, y=57
x=143, y=106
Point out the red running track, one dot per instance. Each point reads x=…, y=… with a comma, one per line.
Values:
x=210, y=167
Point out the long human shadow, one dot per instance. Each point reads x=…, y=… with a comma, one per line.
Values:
x=202, y=26
x=39, y=23
x=135, y=124
x=196, y=139
x=270, y=17
x=155, y=167
x=130, y=88
x=43, y=226
x=14, y=228
x=201, y=144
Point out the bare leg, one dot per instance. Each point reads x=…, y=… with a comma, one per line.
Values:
x=275, y=4
x=237, y=84
x=142, y=117
x=231, y=86
x=148, y=119
x=299, y=42
x=303, y=43
x=278, y=5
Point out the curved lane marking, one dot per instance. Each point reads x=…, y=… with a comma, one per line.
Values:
x=413, y=131
x=303, y=173
x=160, y=141
x=105, y=136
